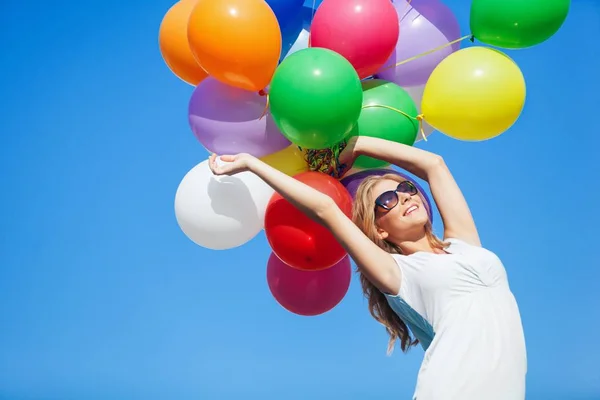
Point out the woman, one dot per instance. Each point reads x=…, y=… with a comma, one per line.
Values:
x=453, y=294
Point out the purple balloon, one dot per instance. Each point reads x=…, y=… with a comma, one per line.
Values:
x=226, y=120
x=424, y=25
x=352, y=182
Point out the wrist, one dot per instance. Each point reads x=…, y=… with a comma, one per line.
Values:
x=252, y=163
x=360, y=145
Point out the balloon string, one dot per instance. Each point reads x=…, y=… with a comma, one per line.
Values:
x=266, y=109
x=326, y=160
x=426, y=53
x=419, y=118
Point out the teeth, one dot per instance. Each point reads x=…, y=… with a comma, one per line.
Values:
x=411, y=209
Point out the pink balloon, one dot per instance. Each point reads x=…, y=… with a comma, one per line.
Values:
x=308, y=293
x=365, y=32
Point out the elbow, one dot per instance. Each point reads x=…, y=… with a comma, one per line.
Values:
x=436, y=163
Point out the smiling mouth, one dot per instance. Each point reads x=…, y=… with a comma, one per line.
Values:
x=411, y=209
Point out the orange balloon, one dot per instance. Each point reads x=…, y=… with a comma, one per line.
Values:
x=238, y=42
x=174, y=46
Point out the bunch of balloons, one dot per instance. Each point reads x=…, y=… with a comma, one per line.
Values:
x=289, y=81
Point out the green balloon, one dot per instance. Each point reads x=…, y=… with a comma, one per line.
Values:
x=516, y=24
x=315, y=98
x=385, y=123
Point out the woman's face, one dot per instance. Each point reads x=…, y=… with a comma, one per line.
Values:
x=399, y=210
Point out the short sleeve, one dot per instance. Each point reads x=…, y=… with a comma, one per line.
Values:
x=405, y=280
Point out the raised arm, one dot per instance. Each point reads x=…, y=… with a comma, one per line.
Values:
x=453, y=208
x=376, y=264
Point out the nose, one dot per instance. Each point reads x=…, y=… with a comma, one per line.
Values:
x=404, y=197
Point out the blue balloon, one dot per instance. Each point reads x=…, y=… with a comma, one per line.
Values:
x=289, y=18
x=308, y=12
x=312, y=3
x=285, y=10
x=289, y=34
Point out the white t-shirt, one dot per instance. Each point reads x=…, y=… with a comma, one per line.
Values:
x=460, y=307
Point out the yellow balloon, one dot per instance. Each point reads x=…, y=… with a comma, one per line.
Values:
x=474, y=94
x=290, y=160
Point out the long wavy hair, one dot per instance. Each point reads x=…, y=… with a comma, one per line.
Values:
x=363, y=215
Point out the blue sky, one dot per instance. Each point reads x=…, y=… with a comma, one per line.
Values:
x=103, y=297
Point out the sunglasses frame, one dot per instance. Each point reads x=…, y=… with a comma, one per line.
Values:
x=413, y=192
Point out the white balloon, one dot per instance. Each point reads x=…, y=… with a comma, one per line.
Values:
x=300, y=43
x=221, y=212
x=416, y=93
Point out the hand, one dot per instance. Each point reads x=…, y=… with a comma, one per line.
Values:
x=348, y=155
x=232, y=164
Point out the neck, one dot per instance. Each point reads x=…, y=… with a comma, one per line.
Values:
x=416, y=244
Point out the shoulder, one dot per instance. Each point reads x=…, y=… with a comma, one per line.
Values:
x=462, y=241
x=457, y=243
x=461, y=246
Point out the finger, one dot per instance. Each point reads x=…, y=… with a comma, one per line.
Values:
x=212, y=158
x=228, y=158
x=212, y=164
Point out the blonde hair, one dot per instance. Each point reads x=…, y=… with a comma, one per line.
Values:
x=363, y=215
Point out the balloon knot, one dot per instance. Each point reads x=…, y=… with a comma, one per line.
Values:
x=420, y=117
x=472, y=38
x=326, y=160
x=261, y=92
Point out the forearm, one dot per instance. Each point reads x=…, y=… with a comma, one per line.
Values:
x=416, y=161
x=306, y=199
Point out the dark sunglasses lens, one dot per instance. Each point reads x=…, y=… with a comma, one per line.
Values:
x=387, y=199
x=407, y=187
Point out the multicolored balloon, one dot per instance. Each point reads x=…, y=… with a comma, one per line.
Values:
x=281, y=80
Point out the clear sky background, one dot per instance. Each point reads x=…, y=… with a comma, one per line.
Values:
x=103, y=297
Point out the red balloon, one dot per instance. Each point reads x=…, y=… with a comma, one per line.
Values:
x=365, y=32
x=296, y=239
x=308, y=293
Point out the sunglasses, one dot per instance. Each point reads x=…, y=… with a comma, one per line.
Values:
x=388, y=200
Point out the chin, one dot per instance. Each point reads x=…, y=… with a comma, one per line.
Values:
x=420, y=218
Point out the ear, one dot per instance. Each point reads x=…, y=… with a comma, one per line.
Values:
x=382, y=234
